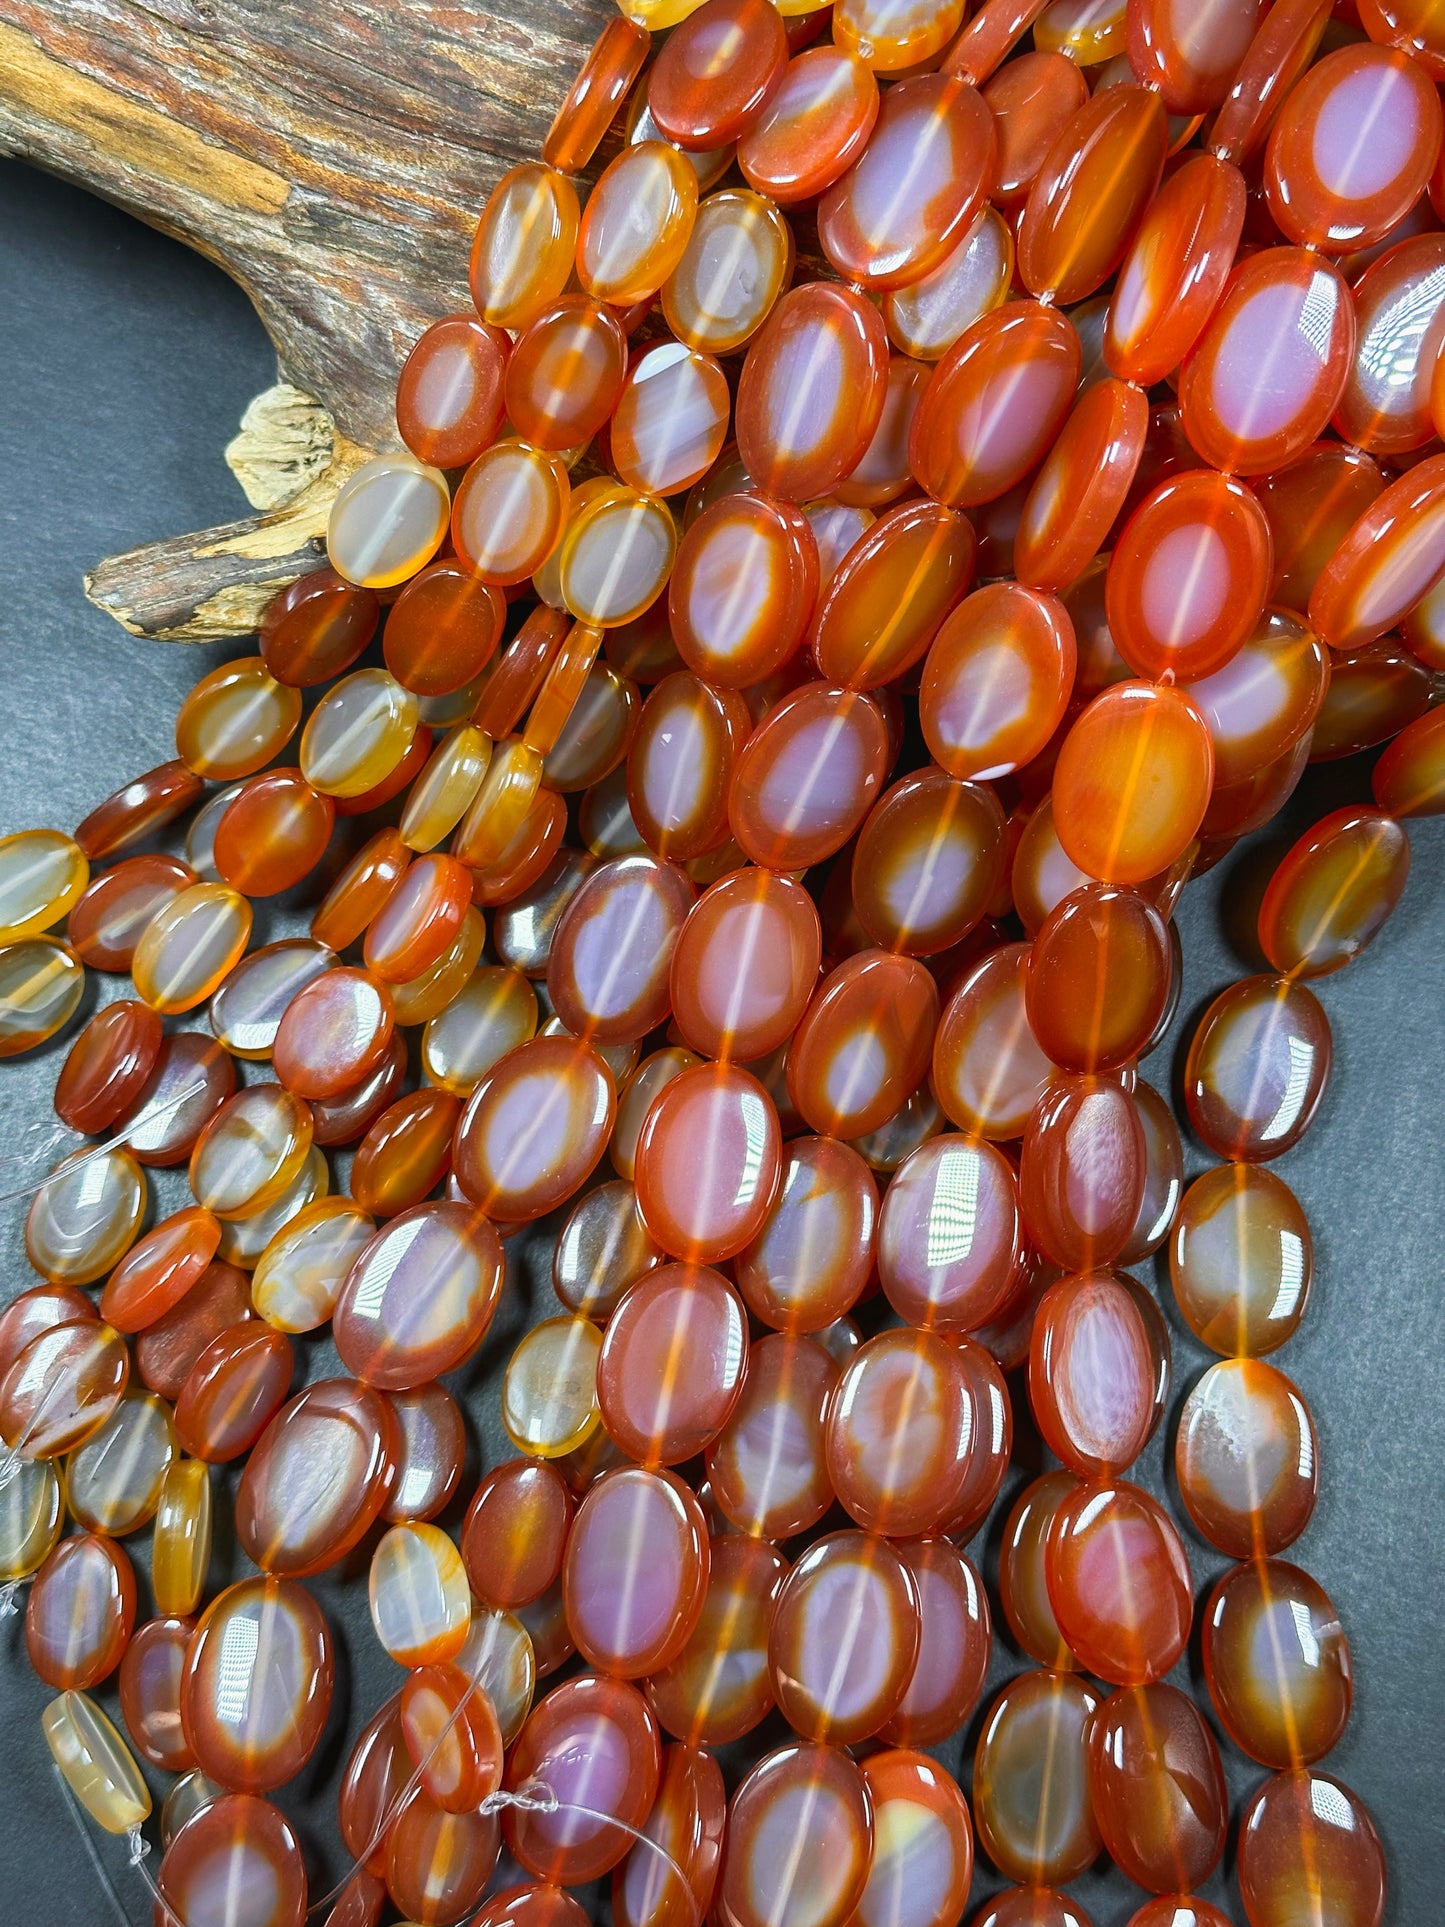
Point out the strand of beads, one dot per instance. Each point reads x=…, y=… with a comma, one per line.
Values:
x=760, y=969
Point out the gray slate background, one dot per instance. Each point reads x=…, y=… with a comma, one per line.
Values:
x=126, y=364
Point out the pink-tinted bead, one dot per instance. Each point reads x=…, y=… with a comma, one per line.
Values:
x=807, y=776
x=1091, y=1374
x=944, y=1267
x=80, y=1612
x=708, y=1162
x=862, y=1047
x=1119, y=1582
x=672, y=1364
x=636, y=1571
x=844, y=1638
x=808, y=1265
x=901, y=1429
x=594, y=1741
x=534, y=1128
x=766, y=1468
x=419, y=1296
x=1081, y=1174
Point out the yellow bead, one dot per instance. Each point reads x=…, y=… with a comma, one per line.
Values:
x=235, y=720
x=113, y=1482
x=738, y=260
x=526, y=239
x=244, y=1240
x=428, y=995
x=299, y=1275
x=250, y=1151
x=616, y=557
x=388, y=521
x=40, y=985
x=637, y=223
x=446, y=788
x=96, y=1762
x=358, y=733
x=549, y=1396
x=42, y=875
x=190, y=945
x=420, y=1601
x=508, y=791
x=85, y=1216
x=493, y=1012
x=181, y=1543
x=30, y=1513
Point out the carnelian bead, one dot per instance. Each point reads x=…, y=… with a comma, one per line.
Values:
x=601, y=1250
x=405, y=1153
x=1091, y=1374
x=1090, y=32
x=42, y=876
x=1081, y=486
x=442, y=629
x=954, y=1646
x=84, y=1216
x=247, y=1009
x=1023, y=1590
x=613, y=62
x=988, y=1071
x=1375, y=692
x=451, y=1732
x=534, y=1128
x=138, y=810
x=607, y=974
x=156, y=1273
x=417, y=1589
x=708, y=1162
x=449, y=392
x=150, y=1680
x=1047, y=1907
x=509, y=512
x=388, y=519
x=997, y=680
x=862, y=1046
x=1163, y=1178
x=1307, y=1840
x=257, y=1684
x=235, y=720
x=1257, y=1068
x=1409, y=779
x=189, y=946
x=565, y=374
x=318, y=1478
x=524, y=247
x=927, y=317
x=716, y=72
x=233, y=1391
x=1031, y=99
x=334, y=1034
x=675, y=1862
x=799, y=1840
x=1090, y=193
x=811, y=1260
x=107, y=922
x=813, y=127
x=535, y=1904
x=635, y=1572
x=433, y=1448
x=80, y=1612
x=995, y=404
x=1118, y=1582
x=1175, y=270
x=233, y=1845
x=193, y=1077
x=1098, y=978
x=743, y=589
x=812, y=389
x=1277, y=1663
x=882, y=473
x=738, y=260
x=1030, y=1779
x=524, y=929
x=1265, y=699
x=637, y=223
x=1247, y=1459
x=594, y=1742
x=615, y=558
x=316, y=627
x=766, y=1468
x=419, y=1297
x=40, y=1309
x=1241, y=1260
x=1352, y=148
x=62, y=1386
x=806, y=777
x=923, y=1859
x=166, y=1351
x=927, y=863
x=1191, y=56
x=1132, y=782
x=899, y=1432
x=1391, y=556
x=1333, y=891
x=1157, y=1787
x=273, y=834
x=718, y=1687
x=844, y=1638
x=107, y=1066
x=891, y=592
x=438, y=1863
x=670, y=419
x=418, y=923
x=939, y=1271
x=935, y=135
x=1400, y=307
x=1082, y=1172
x=516, y=1532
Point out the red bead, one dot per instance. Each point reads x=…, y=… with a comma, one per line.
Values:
x=672, y=1364
x=1175, y=270
x=1082, y=1172
x=1157, y=1787
x=862, y=1047
x=636, y=1571
x=812, y=390
x=813, y=127
x=1119, y=1582
x=316, y=627
x=844, y=1638
x=716, y=72
x=594, y=1742
x=1098, y=978
x=1090, y=192
x=807, y=776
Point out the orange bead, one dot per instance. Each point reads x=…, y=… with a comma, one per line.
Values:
x=935, y=135
x=738, y=260
x=718, y=1687
x=273, y=834
x=892, y=34
x=1375, y=692
x=1264, y=700
x=526, y=239
x=138, y=810
x=1409, y=779
x=762, y=1486
x=1257, y=1068
x=360, y=891
x=235, y=1388
x=799, y=1840
x=927, y=863
x=862, y=1047
x=156, y=1273
x=1190, y=56
x=107, y=922
x=1098, y=978
x=988, y=1070
x=235, y=720
x=840, y=1686
x=334, y=1034
x=509, y=512
x=451, y=1732
x=534, y=1128
x=954, y=1647
x=316, y=627
x=938, y=1275
x=742, y=589
x=408, y=767
x=997, y=681
x=565, y=374
x=807, y=776
x=107, y=1066
x=1157, y=1787
x=812, y=390
x=419, y=921
x=1277, y=1663
x=442, y=629
x=1091, y=32
x=613, y=62
x=1247, y=1459
x=680, y=766
x=890, y=594
x=1079, y=490
x=927, y=317
x=1119, y=1582
x=708, y=1162
x=1333, y=892
x=995, y=404
x=637, y=223
x=1090, y=193
x=1132, y=782
x=636, y=1569
x=405, y=1153
x=1030, y=1782
x=670, y=419
x=389, y=518
x=716, y=71
x=1307, y=1840
x=1279, y=53
x=1031, y=99
x=1392, y=555
x=882, y=473
x=594, y=1742
x=808, y=1265
x=449, y=392
x=419, y=1296
x=1352, y=148
x=1311, y=507
x=814, y=126
x=607, y=974
x=1082, y=1171
x=80, y=1612
x=1175, y=270
x=1400, y=309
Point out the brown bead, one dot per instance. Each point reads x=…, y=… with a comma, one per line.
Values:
x=433, y=1450
x=419, y=1297
x=1306, y=1839
x=891, y=1004
x=515, y=1533
x=1157, y=1787
x=1257, y=1068
x=64, y=1384
x=844, y=1638
x=1098, y=978
x=672, y=1363
x=1119, y=1582
x=1030, y=1779
x=318, y=1477
x=718, y=1687
x=80, y=1612
x=233, y=1391
x=106, y=924
x=406, y=1153
x=273, y=834
x=612, y=64
x=138, y=810
x=334, y=1034
x=150, y=1692
x=607, y=974
x=344, y=1118
x=316, y=627
x=442, y=629
x=766, y=1468
x=594, y=1742
x=1277, y=1663
x=107, y=1066
x=809, y=1263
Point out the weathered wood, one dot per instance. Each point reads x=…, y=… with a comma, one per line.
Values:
x=329, y=154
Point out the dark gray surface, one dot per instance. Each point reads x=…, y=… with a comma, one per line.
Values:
x=127, y=363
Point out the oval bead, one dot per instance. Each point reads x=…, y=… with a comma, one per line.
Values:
x=812, y=390
x=942, y=1271
x=1093, y=186
x=716, y=72
x=672, y=1364
x=318, y=1478
x=1175, y=270
x=525, y=242
x=743, y=589
x=813, y=127
x=419, y=1297
x=1264, y=700
x=718, y=1687
x=1031, y=98
x=608, y=970
x=799, y=1840
x=1081, y=486
x=257, y=1684
x=927, y=317
x=810, y=1261
x=1241, y=1260
x=449, y=391
x=1119, y=1582
x=516, y=1532
x=106, y=923
x=1277, y=1663
x=534, y=1128
x=1030, y=1779
x=1307, y=1839
x=190, y=946
x=84, y=1217
x=862, y=1047
x=890, y=593
x=62, y=1387
x=549, y=1395
x=235, y=720
x=388, y=519
x=1247, y=1459
x=636, y=1571
x=97, y=1766
x=737, y=262
x=42, y=876
x=1098, y=978
x=1082, y=1171
x=1409, y=779
x=844, y=1638
x=900, y=1430
x=988, y=1071
x=680, y=765
x=1091, y=1374
x=595, y=1743
x=238, y=1382
x=1134, y=739
x=1158, y=1787
x=316, y=627
x=80, y=1612
x=1332, y=892
x=766, y=1468
x=997, y=680
x=807, y=776
x=420, y=1605
x=636, y=224
x=113, y=1481
x=509, y=512
x=1257, y=1068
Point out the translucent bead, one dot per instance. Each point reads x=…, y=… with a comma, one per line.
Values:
x=634, y=1522
x=449, y=391
x=1305, y=1839
x=923, y=1843
x=607, y=972
x=1164, y=1176
x=441, y=631
x=810, y=1261
x=495, y=1011
x=1265, y=698
x=316, y=627
x=813, y=128
x=397, y=778
x=80, y=1612
x=106, y=923
x=1247, y=1459
x=433, y=1447
x=419, y=1297
x=1082, y=1171
x=515, y=1532
x=616, y=556
x=997, y=680
x=1277, y=1663
x=1030, y=1779
x=181, y=1544
x=247, y=1009
x=97, y=1766
x=1352, y=148
x=190, y=945
x=524, y=246
x=358, y=732
x=812, y=390
x=900, y=1428
x=743, y=589
x=595, y=1743
x=1086, y=31
x=113, y=1481
x=257, y=1684
x=681, y=763
x=565, y=374
x=988, y=1070
x=1409, y=779
x=273, y=833
x=231, y=1845
x=1157, y=1787
x=1031, y=99
x=745, y=965
x=166, y=1351
x=1391, y=556
x=995, y=404
x=671, y=1365
x=718, y=1686
x=250, y=1151
x=344, y=1118
x=549, y=1397
x=1081, y=487
x=42, y=877
x=388, y=520
x=862, y=1047
x=452, y=1734
x=766, y=1467
x=613, y=62
x=670, y=420
x=31, y=1511
x=235, y=720
x=41, y=982
x=807, y=776
x=1333, y=891
x=438, y=1863
x=1098, y=978
x=675, y=1863
x=150, y=1692
x=234, y=1389
x=534, y=1128
x=137, y=810
x=1091, y=1374
x=799, y=1840
x=524, y=929
x=1257, y=1068
x=637, y=223
x=716, y=72
x=844, y=1638
x=890, y=593
x=1175, y=270
x=420, y=1605
x=335, y=1032
x=509, y=512
x=244, y=1240
x=85, y=1216
x=940, y=1272
x=1090, y=193
x=954, y=1645
x=502, y=804
x=1134, y=740
x=1119, y=1582
x=925, y=318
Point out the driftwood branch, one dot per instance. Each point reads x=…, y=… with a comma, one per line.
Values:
x=332, y=157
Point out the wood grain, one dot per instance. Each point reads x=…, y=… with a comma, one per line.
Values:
x=332, y=157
